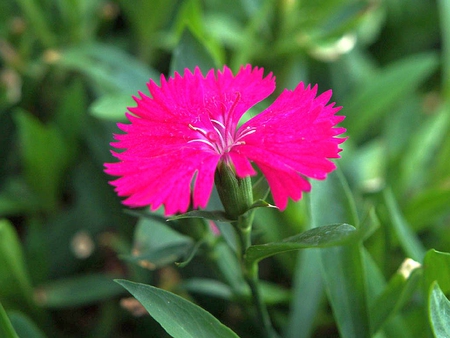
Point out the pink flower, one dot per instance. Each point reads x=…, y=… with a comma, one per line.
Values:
x=177, y=137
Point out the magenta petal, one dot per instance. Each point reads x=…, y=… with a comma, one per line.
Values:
x=176, y=137
x=295, y=135
x=178, y=134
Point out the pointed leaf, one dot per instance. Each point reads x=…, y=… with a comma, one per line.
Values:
x=439, y=310
x=179, y=317
x=320, y=237
x=261, y=204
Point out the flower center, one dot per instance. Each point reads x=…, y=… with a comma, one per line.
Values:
x=221, y=136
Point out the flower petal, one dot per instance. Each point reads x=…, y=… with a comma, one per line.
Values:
x=168, y=147
x=295, y=135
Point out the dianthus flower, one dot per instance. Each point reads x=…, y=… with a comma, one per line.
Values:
x=177, y=137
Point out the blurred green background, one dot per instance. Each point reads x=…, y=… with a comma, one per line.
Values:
x=68, y=69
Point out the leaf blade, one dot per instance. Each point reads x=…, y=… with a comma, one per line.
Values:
x=179, y=317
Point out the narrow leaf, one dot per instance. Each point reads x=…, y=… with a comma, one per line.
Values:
x=179, y=317
x=308, y=291
x=408, y=239
x=6, y=328
x=24, y=326
x=385, y=90
x=77, y=291
x=191, y=53
x=398, y=291
x=342, y=267
x=320, y=237
x=217, y=215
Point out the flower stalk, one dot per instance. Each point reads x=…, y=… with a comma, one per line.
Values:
x=250, y=271
x=237, y=197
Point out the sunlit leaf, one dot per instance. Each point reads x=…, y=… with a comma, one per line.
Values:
x=437, y=268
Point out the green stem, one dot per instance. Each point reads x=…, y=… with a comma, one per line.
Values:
x=250, y=272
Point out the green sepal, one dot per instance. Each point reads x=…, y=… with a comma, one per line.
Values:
x=235, y=193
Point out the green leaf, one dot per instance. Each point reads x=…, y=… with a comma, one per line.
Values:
x=385, y=90
x=24, y=326
x=342, y=267
x=427, y=206
x=190, y=21
x=209, y=287
x=112, y=107
x=191, y=254
x=396, y=326
x=15, y=284
x=444, y=13
x=179, y=317
x=45, y=157
x=395, y=295
x=423, y=146
x=272, y=294
x=191, y=53
x=156, y=244
x=438, y=311
x=320, y=237
x=107, y=67
x=408, y=239
x=77, y=291
x=308, y=290
x=6, y=328
x=217, y=215
x=437, y=268
x=261, y=204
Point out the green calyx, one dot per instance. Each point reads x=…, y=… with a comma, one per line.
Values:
x=234, y=192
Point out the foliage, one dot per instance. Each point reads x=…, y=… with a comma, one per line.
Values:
x=68, y=70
